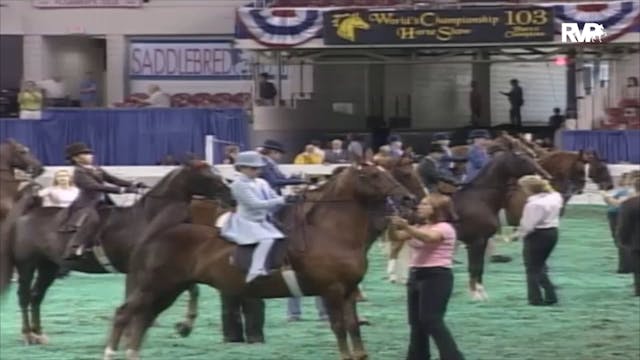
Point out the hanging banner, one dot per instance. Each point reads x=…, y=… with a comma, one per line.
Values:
x=455, y=26
x=53, y=4
x=196, y=60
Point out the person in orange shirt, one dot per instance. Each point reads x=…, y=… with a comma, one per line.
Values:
x=308, y=157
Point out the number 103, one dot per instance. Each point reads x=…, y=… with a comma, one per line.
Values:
x=526, y=17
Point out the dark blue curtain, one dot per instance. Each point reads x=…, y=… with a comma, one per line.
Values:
x=128, y=136
x=615, y=146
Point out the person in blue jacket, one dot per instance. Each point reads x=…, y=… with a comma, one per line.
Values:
x=478, y=154
x=447, y=159
x=272, y=152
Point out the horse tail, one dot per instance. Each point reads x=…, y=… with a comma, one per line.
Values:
x=7, y=238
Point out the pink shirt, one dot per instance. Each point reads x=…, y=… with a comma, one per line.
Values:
x=438, y=254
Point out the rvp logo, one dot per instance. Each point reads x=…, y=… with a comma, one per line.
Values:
x=591, y=32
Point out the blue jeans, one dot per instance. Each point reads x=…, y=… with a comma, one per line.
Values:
x=293, y=307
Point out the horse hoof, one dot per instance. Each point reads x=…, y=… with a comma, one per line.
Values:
x=40, y=339
x=132, y=355
x=109, y=354
x=183, y=329
x=360, y=356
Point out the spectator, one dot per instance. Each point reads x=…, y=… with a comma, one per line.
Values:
x=337, y=155
x=628, y=233
x=267, y=91
x=157, y=98
x=30, y=100
x=88, y=91
x=556, y=122
x=230, y=154
x=355, y=147
x=516, y=100
x=432, y=243
x=62, y=192
x=318, y=148
x=55, y=92
x=613, y=200
x=632, y=91
x=395, y=143
x=308, y=157
x=475, y=104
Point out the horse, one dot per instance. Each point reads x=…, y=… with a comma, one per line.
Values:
x=329, y=235
x=479, y=202
x=36, y=243
x=14, y=155
x=347, y=25
x=569, y=171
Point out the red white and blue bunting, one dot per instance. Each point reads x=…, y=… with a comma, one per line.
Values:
x=278, y=27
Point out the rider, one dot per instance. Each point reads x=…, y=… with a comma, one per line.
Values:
x=478, y=155
x=272, y=151
x=448, y=159
x=93, y=184
x=433, y=170
x=256, y=201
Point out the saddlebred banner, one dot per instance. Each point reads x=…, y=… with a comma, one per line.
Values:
x=475, y=25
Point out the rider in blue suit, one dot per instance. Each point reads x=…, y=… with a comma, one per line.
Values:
x=448, y=159
x=272, y=152
x=478, y=155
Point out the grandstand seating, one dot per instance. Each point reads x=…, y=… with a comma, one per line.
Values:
x=625, y=116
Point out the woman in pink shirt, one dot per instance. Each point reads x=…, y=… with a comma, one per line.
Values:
x=432, y=243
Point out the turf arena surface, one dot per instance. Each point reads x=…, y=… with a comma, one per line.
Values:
x=597, y=319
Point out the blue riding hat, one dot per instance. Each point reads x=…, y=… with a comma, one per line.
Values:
x=250, y=159
x=479, y=133
x=440, y=136
x=273, y=145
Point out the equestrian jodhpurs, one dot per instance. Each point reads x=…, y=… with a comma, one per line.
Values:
x=538, y=245
x=234, y=309
x=428, y=293
x=624, y=262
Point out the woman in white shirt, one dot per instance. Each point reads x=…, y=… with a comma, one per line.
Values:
x=539, y=228
x=62, y=193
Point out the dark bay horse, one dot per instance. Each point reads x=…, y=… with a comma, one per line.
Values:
x=37, y=246
x=329, y=237
x=479, y=203
x=569, y=171
x=14, y=155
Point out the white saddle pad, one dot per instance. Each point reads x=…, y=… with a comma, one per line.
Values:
x=222, y=220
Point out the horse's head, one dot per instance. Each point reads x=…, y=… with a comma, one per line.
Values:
x=598, y=169
x=514, y=163
x=203, y=180
x=14, y=155
x=405, y=173
x=373, y=183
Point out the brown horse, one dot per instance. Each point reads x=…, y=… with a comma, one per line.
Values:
x=569, y=171
x=479, y=202
x=329, y=237
x=14, y=155
x=36, y=245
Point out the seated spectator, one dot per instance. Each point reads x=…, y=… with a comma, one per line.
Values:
x=355, y=147
x=157, y=98
x=318, y=148
x=30, y=100
x=62, y=192
x=55, y=92
x=337, y=155
x=308, y=157
x=230, y=154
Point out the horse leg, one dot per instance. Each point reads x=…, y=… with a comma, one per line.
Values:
x=154, y=302
x=185, y=327
x=476, y=253
x=121, y=320
x=25, y=277
x=334, y=301
x=353, y=327
x=47, y=272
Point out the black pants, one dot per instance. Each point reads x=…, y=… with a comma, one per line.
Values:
x=234, y=308
x=624, y=261
x=635, y=265
x=428, y=293
x=515, y=117
x=538, y=245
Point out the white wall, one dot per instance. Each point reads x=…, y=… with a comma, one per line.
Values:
x=161, y=17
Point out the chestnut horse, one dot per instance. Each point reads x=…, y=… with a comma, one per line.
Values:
x=35, y=244
x=14, y=155
x=329, y=237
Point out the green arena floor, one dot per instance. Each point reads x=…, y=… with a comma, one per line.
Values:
x=597, y=319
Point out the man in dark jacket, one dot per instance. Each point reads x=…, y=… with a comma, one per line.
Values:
x=432, y=171
x=94, y=184
x=234, y=309
x=516, y=100
x=273, y=151
x=628, y=232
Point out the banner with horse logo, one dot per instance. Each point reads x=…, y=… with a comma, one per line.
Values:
x=475, y=25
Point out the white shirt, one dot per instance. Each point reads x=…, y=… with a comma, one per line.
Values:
x=542, y=211
x=55, y=196
x=159, y=99
x=53, y=89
